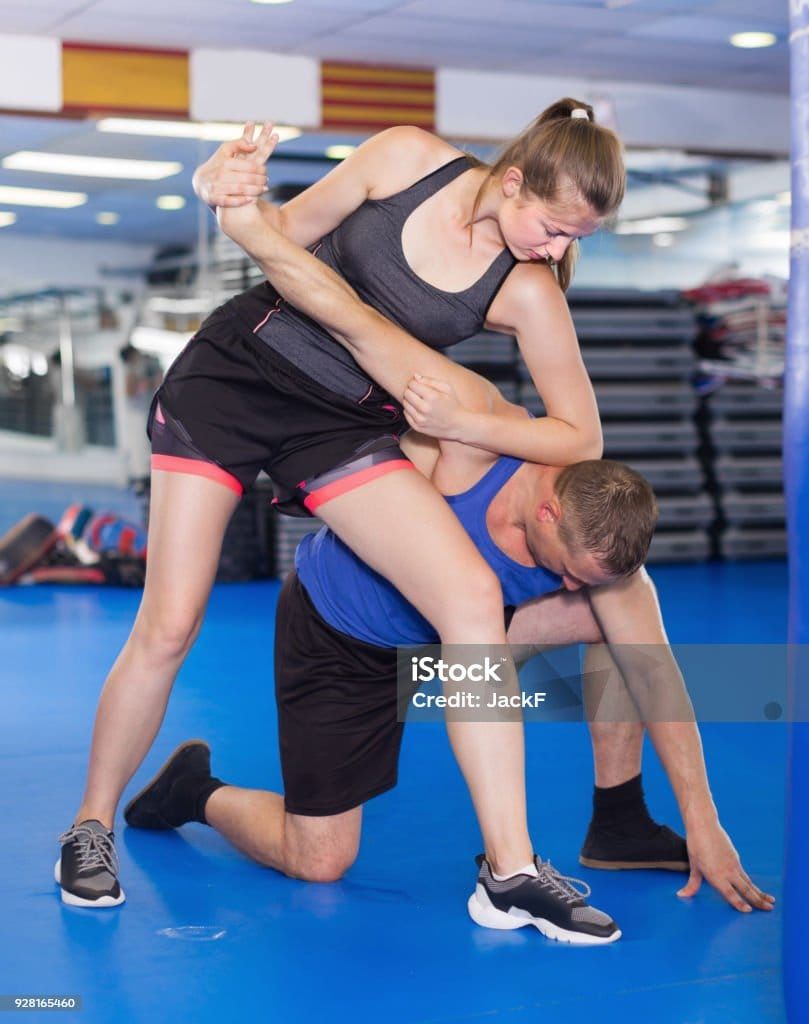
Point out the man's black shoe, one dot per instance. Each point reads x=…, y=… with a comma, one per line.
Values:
x=169, y=800
x=613, y=849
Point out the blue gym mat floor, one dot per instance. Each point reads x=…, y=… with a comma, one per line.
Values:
x=205, y=935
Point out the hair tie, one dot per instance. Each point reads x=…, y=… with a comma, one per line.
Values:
x=579, y=112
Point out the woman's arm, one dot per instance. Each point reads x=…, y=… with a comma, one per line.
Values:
x=383, y=165
x=531, y=306
x=392, y=356
x=571, y=430
x=387, y=353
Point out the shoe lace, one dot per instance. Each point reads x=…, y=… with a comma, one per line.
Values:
x=569, y=889
x=94, y=849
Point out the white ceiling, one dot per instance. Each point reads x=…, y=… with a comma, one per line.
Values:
x=679, y=41
x=661, y=41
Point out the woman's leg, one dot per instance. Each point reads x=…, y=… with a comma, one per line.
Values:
x=401, y=526
x=187, y=521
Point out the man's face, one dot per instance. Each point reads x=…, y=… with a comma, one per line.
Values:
x=577, y=568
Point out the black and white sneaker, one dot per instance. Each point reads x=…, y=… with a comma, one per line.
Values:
x=87, y=870
x=551, y=902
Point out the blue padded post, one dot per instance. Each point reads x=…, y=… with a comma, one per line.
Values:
x=796, y=466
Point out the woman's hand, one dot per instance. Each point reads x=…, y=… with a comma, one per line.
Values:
x=235, y=175
x=432, y=407
x=240, y=220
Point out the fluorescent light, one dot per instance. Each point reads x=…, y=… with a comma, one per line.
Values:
x=651, y=226
x=769, y=240
x=339, y=152
x=212, y=131
x=7, y=218
x=170, y=202
x=91, y=166
x=753, y=40
x=664, y=240
x=764, y=206
x=159, y=341
x=21, y=362
x=107, y=218
x=39, y=364
x=166, y=304
x=41, y=197
x=271, y=1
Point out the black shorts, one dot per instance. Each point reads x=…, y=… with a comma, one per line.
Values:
x=338, y=705
x=236, y=406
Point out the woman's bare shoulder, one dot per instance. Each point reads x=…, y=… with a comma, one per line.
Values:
x=404, y=154
x=529, y=287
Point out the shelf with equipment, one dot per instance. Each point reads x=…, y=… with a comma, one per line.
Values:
x=740, y=344
x=638, y=350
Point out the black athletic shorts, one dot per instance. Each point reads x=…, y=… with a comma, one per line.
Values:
x=337, y=710
x=230, y=407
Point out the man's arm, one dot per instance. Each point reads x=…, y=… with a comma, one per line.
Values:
x=629, y=616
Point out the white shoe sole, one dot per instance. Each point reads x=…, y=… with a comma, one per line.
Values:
x=79, y=901
x=483, y=912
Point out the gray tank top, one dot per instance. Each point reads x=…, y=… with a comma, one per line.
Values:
x=366, y=249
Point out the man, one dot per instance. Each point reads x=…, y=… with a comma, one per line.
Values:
x=581, y=527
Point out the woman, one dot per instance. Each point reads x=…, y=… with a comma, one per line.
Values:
x=442, y=245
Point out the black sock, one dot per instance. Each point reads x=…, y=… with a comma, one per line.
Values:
x=211, y=785
x=188, y=796
x=622, y=809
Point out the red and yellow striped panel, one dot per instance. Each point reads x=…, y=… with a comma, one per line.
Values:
x=112, y=79
x=362, y=97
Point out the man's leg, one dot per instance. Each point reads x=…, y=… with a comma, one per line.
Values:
x=622, y=833
x=563, y=618
x=314, y=848
x=617, y=752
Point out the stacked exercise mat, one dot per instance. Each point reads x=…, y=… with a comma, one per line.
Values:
x=743, y=425
x=638, y=349
x=740, y=344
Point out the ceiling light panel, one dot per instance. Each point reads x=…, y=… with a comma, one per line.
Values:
x=170, y=202
x=91, y=166
x=651, y=226
x=212, y=131
x=41, y=197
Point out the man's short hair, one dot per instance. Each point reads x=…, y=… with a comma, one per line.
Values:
x=609, y=510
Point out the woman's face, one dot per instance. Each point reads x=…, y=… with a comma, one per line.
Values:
x=535, y=229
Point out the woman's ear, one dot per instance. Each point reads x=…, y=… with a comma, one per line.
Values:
x=512, y=183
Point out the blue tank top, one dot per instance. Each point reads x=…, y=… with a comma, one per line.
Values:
x=359, y=602
x=366, y=249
